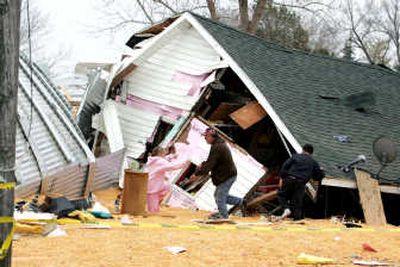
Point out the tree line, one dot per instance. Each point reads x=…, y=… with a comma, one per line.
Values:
x=358, y=30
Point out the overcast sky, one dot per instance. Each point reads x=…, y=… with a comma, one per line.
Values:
x=70, y=25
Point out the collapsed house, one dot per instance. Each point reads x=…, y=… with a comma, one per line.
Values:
x=52, y=156
x=188, y=73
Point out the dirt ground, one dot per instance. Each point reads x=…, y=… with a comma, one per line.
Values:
x=142, y=246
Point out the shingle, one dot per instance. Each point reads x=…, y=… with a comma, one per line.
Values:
x=293, y=81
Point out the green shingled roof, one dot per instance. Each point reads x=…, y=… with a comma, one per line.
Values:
x=297, y=84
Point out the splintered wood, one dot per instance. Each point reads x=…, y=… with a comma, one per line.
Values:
x=370, y=197
x=263, y=198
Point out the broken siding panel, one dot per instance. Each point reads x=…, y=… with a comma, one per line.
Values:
x=153, y=80
x=91, y=101
x=191, y=53
x=135, y=126
x=155, y=83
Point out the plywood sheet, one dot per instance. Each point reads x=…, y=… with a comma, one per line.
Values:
x=370, y=197
x=223, y=110
x=248, y=115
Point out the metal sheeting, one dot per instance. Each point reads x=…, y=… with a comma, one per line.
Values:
x=135, y=126
x=153, y=79
x=69, y=181
x=47, y=137
x=29, y=177
x=107, y=171
x=92, y=100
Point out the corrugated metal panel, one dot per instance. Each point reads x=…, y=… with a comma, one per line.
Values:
x=27, y=170
x=51, y=90
x=49, y=103
x=48, y=149
x=136, y=126
x=92, y=100
x=153, y=79
x=47, y=137
x=68, y=181
x=107, y=171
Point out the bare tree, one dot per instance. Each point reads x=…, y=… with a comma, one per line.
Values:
x=361, y=27
x=122, y=13
x=388, y=24
x=378, y=51
x=375, y=30
x=34, y=33
x=213, y=10
x=35, y=30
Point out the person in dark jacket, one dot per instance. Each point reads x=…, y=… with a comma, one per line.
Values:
x=223, y=173
x=295, y=174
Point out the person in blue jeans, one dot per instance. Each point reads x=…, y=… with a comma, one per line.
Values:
x=223, y=173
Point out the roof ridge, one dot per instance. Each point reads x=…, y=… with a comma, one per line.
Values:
x=282, y=48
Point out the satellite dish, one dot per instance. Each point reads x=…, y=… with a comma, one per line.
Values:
x=385, y=150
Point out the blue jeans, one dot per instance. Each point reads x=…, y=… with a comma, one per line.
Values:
x=222, y=197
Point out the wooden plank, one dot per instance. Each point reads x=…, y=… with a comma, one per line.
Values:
x=223, y=110
x=263, y=198
x=370, y=198
x=44, y=185
x=248, y=115
x=121, y=75
x=351, y=184
x=91, y=175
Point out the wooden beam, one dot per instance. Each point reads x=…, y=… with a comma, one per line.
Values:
x=263, y=198
x=351, y=184
x=370, y=198
x=121, y=75
x=89, y=182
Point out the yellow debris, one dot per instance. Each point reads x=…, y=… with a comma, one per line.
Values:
x=29, y=229
x=304, y=258
x=84, y=217
x=64, y=221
